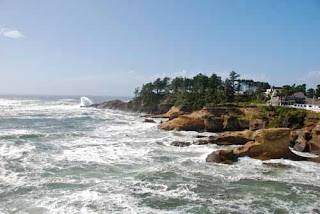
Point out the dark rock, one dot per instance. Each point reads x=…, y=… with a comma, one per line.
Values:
x=180, y=143
x=149, y=121
x=222, y=156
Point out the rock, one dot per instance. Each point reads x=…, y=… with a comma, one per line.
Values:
x=301, y=144
x=213, y=124
x=274, y=143
x=232, y=138
x=200, y=136
x=185, y=123
x=268, y=144
x=180, y=143
x=149, y=121
x=222, y=156
x=256, y=124
x=232, y=123
x=315, y=140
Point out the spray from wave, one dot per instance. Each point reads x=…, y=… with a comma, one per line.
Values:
x=85, y=101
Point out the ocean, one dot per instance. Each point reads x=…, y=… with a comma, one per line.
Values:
x=56, y=157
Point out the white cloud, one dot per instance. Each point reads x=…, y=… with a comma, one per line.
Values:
x=11, y=33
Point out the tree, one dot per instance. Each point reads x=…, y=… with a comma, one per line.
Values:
x=136, y=92
x=311, y=92
x=318, y=91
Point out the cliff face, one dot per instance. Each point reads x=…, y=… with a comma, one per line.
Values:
x=214, y=119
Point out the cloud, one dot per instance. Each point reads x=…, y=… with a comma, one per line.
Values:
x=11, y=33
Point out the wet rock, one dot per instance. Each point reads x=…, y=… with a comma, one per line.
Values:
x=200, y=136
x=149, y=121
x=222, y=156
x=180, y=143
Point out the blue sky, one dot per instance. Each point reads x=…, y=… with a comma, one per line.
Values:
x=103, y=47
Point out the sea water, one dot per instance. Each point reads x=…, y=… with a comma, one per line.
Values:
x=56, y=157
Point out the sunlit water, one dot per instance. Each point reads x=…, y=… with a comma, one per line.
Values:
x=56, y=157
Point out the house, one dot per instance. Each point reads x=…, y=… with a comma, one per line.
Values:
x=274, y=91
x=296, y=100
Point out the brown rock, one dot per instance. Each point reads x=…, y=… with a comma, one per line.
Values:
x=269, y=144
x=232, y=138
x=232, y=123
x=213, y=124
x=315, y=141
x=185, y=123
x=301, y=144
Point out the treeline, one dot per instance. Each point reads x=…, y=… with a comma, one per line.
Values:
x=291, y=89
x=194, y=93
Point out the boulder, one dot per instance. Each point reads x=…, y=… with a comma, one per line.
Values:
x=222, y=156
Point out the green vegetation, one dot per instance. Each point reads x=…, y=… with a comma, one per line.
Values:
x=279, y=117
x=194, y=93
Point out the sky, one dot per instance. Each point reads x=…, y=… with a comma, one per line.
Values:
x=109, y=47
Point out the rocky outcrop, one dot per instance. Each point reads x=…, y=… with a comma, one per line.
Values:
x=114, y=104
x=184, y=123
x=211, y=120
x=315, y=140
x=307, y=139
x=268, y=144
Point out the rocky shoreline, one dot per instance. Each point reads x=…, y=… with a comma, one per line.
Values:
x=245, y=127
